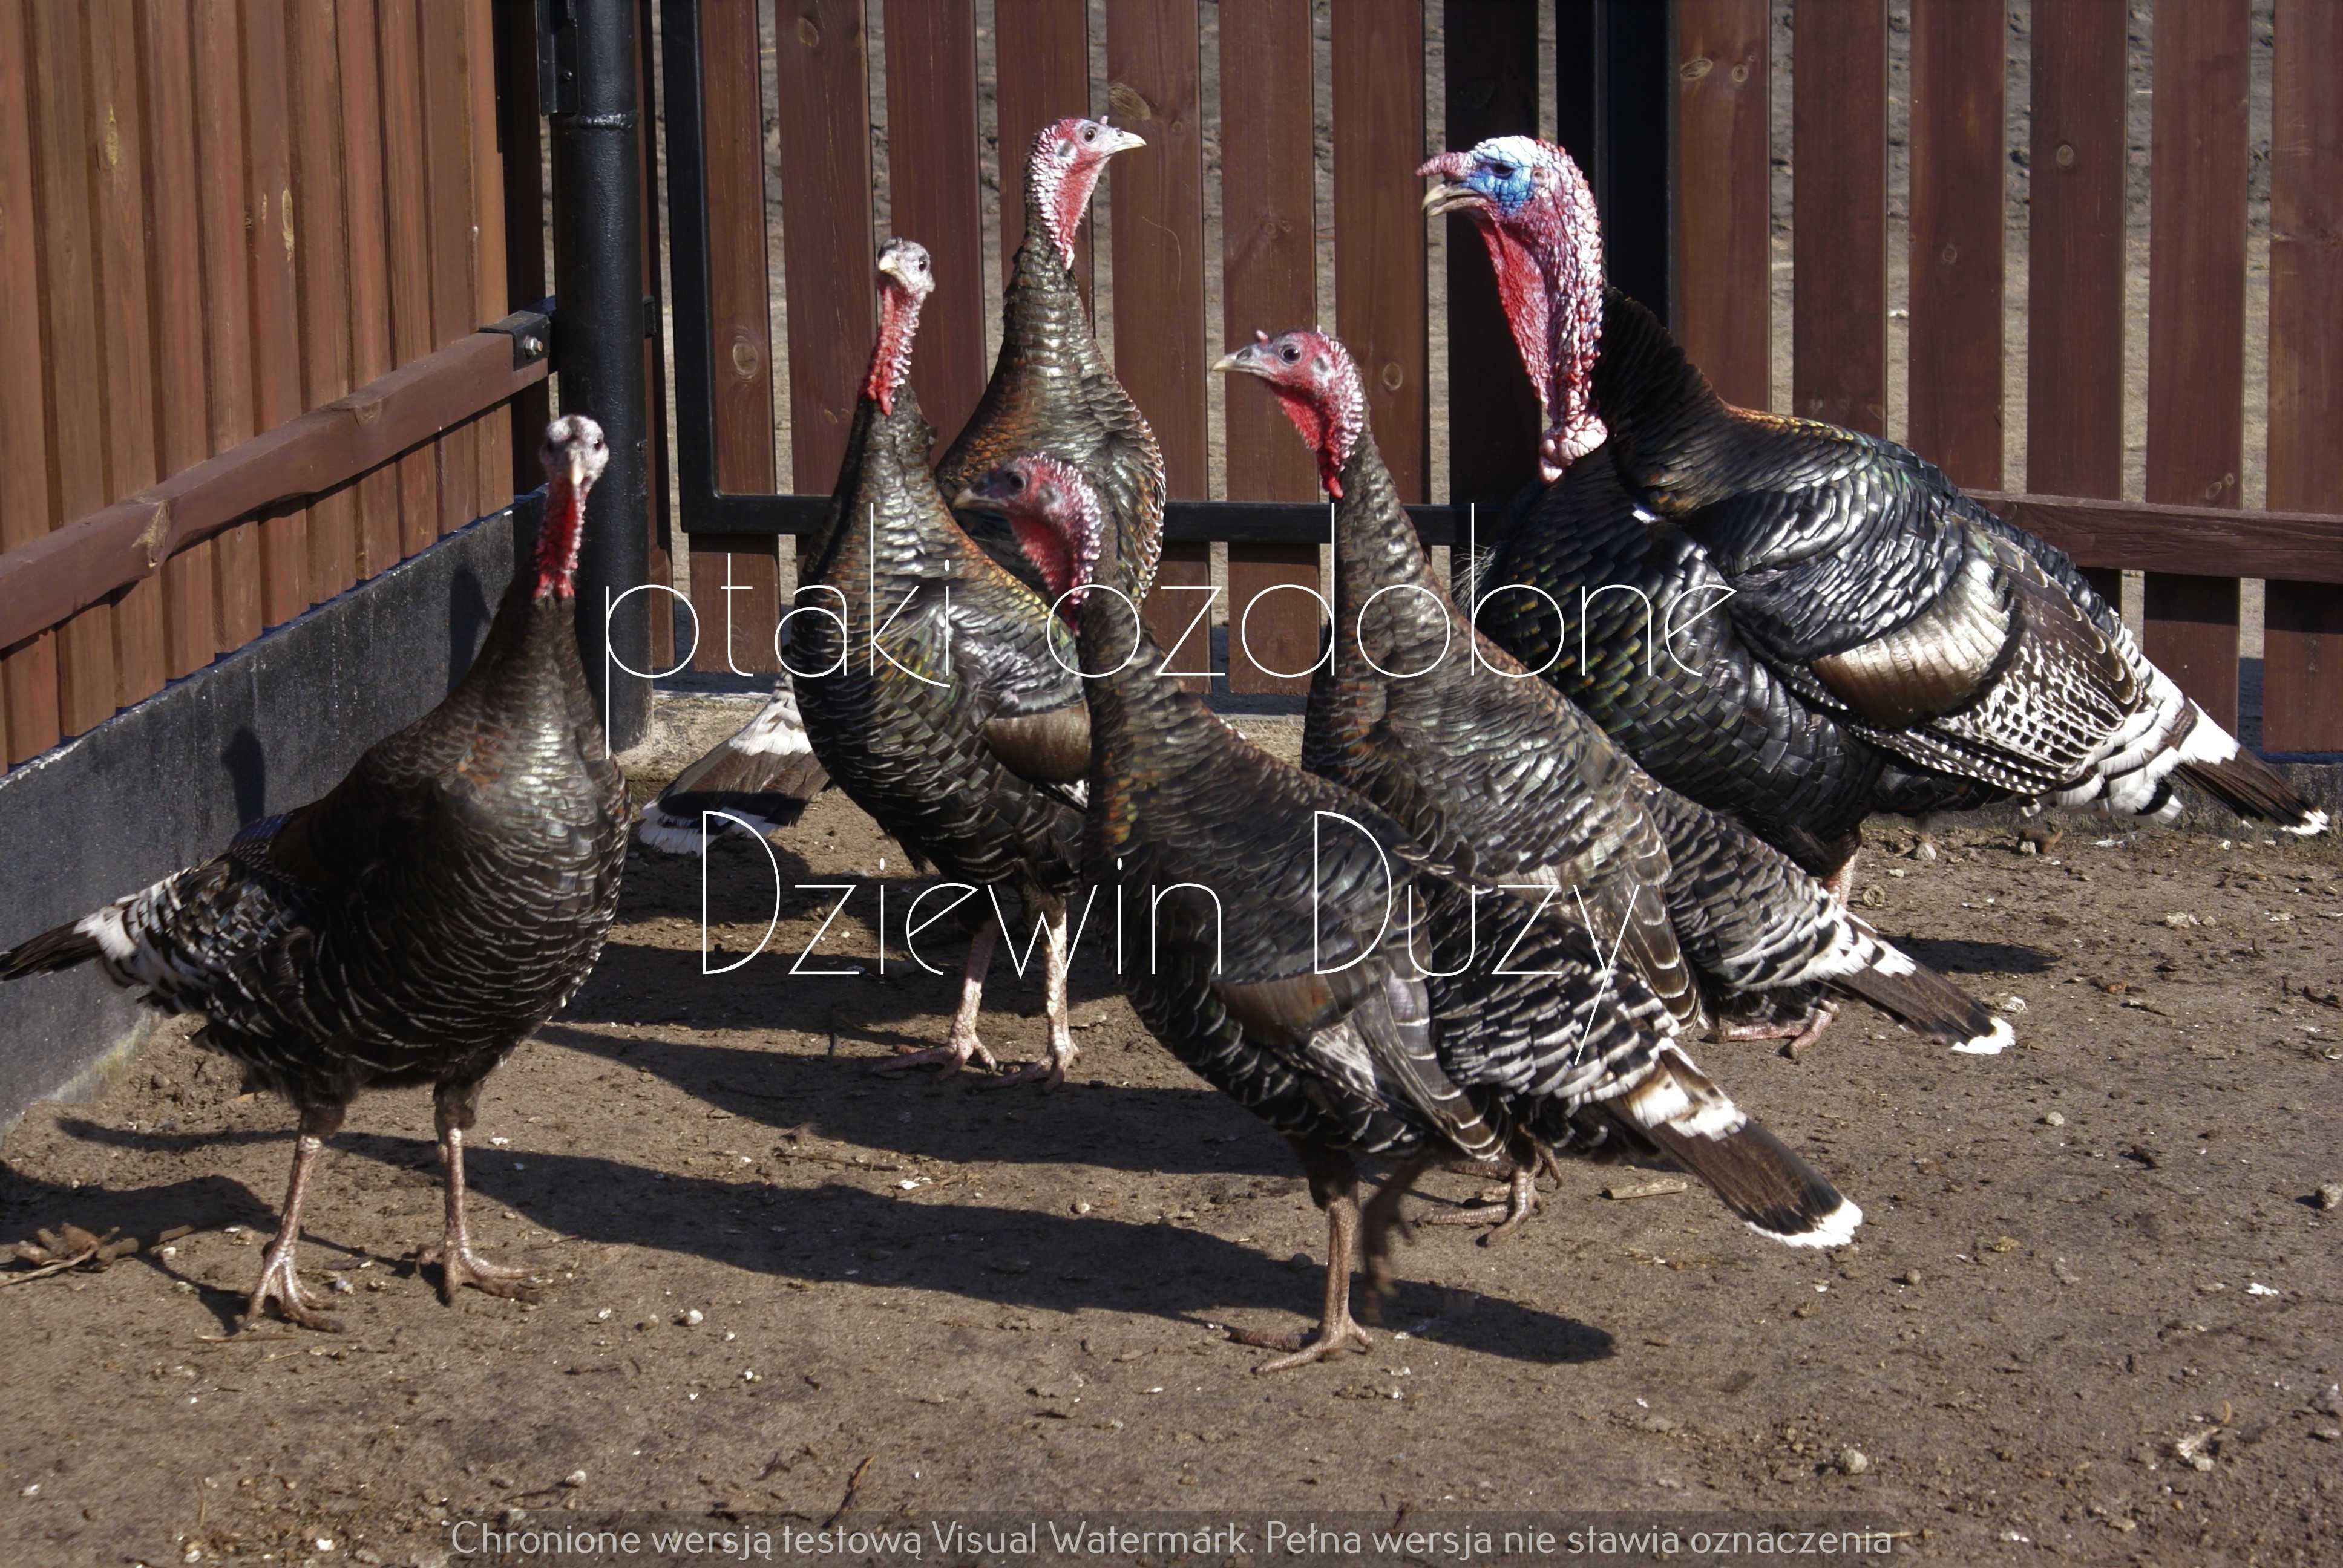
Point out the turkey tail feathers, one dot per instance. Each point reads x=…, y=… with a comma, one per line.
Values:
x=1923, y=1000
x=60, y=948
x=765, y=775
x=2243, y=782
x=1695, y=1124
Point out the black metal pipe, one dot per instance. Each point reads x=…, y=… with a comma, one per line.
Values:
x=598, y=332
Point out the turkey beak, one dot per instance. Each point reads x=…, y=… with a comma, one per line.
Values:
x=1113, y=139
x=1450, y=196
x=573, y=466
x=1240, y=359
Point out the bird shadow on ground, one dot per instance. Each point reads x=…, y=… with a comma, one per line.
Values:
x=1952, y=956
x=1153, y=1131
x=839, y=1234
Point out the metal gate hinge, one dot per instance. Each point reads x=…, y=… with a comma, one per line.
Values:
x=532, y=332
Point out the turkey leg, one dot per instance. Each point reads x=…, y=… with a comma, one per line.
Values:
x=1054, y=964
x=961, y=1046
x=457, y=1108
x=1504, y=1218
x=279, y=1282
x=1334, y=1186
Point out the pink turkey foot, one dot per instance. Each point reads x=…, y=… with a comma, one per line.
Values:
x=1796, y=1033
x=280, y=1282
x=1336, y=1330
x=1306, y=1345
x=954, y=1054
x=458, y=1265
x=1050, y=1074
x=1504, y=1218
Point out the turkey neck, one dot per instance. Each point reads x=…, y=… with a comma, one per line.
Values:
x=1677, y=444
x=1148, y=732
x=531, y=648
x=887, y=522
x=1376, y=547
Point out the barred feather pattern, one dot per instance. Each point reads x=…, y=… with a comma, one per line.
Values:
x=419, y=921
x=1052, y=395
x=1499, y=775
x=1306, y=956
x=765, y=774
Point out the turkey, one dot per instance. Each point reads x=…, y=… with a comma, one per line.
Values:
x=759, y=780
x=418, y=921
x=1294, y=948
x=1051, y=392
x=1498, y=774
x=931, y=694
x=1844, y=630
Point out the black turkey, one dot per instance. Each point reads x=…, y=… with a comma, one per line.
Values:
x=1498, y=772
x=418, y=922
x=1292, y=945
x=928, y=685
x=1858, y=635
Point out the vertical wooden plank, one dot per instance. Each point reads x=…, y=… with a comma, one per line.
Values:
x=276, y=301
x=1380, y=288
x=227, y=294
x=1838, y=316
x=1723, y=293
x=1492, y=410
x=932, y=160
x=70, y=348
x=2302, y=658
x=1958, y=55
x=741, y=320
x=357, y=44
x=2196, y=341
x=1269, y=282
x=411, y=329
x=2074, y=256
x=448, y=185
x=520, y=134
x=116, y=132
x=493, y=487
x=28, y=671
x=1155, y=83
x=321, y=266
x=175, y=267
x=1041, y=54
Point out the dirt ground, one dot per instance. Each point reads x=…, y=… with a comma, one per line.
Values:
x=2085, y=1262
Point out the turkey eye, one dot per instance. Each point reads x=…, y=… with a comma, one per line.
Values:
x=1501, y=171
x=1290, y=354
x=1012, y=481
x=1090, y=133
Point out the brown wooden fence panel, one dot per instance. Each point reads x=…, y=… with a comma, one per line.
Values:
x=175, y=259
x=275, y=305
x=932, y=163
x=1723, y=293
x=2074, y=256
x=495, y=488
x=525, y=435
x=732, y=120
x=28, y=672
x=1155, y=87
x=1491, y=61
x=1958, y=66
x=455, y=305
x=2302, y=657
x=1041, y=55
x=322, y=264
x=1269, y=282
x=1838, y=317
x=227, y=299
x=87, y=686
x=359, y=45
x=1380, y=295
x=116, y=135
x=520, y=131
x=2197, y=305
x=411, y=329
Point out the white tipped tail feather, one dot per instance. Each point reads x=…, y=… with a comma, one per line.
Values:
x=764, y=775
x=1687, y=1118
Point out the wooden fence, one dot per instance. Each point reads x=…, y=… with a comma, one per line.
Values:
x=245, y=249
x=1703, y=74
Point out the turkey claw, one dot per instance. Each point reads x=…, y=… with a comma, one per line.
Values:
x=950, y=1057
x=1050, y=1074
x=468, y=1268
x=1304, y=1346
x=281, y=1284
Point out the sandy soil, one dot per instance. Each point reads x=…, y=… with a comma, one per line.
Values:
x=2098, y=1246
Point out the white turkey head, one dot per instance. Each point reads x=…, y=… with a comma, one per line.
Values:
x=575, y=456
x=1068, y=158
